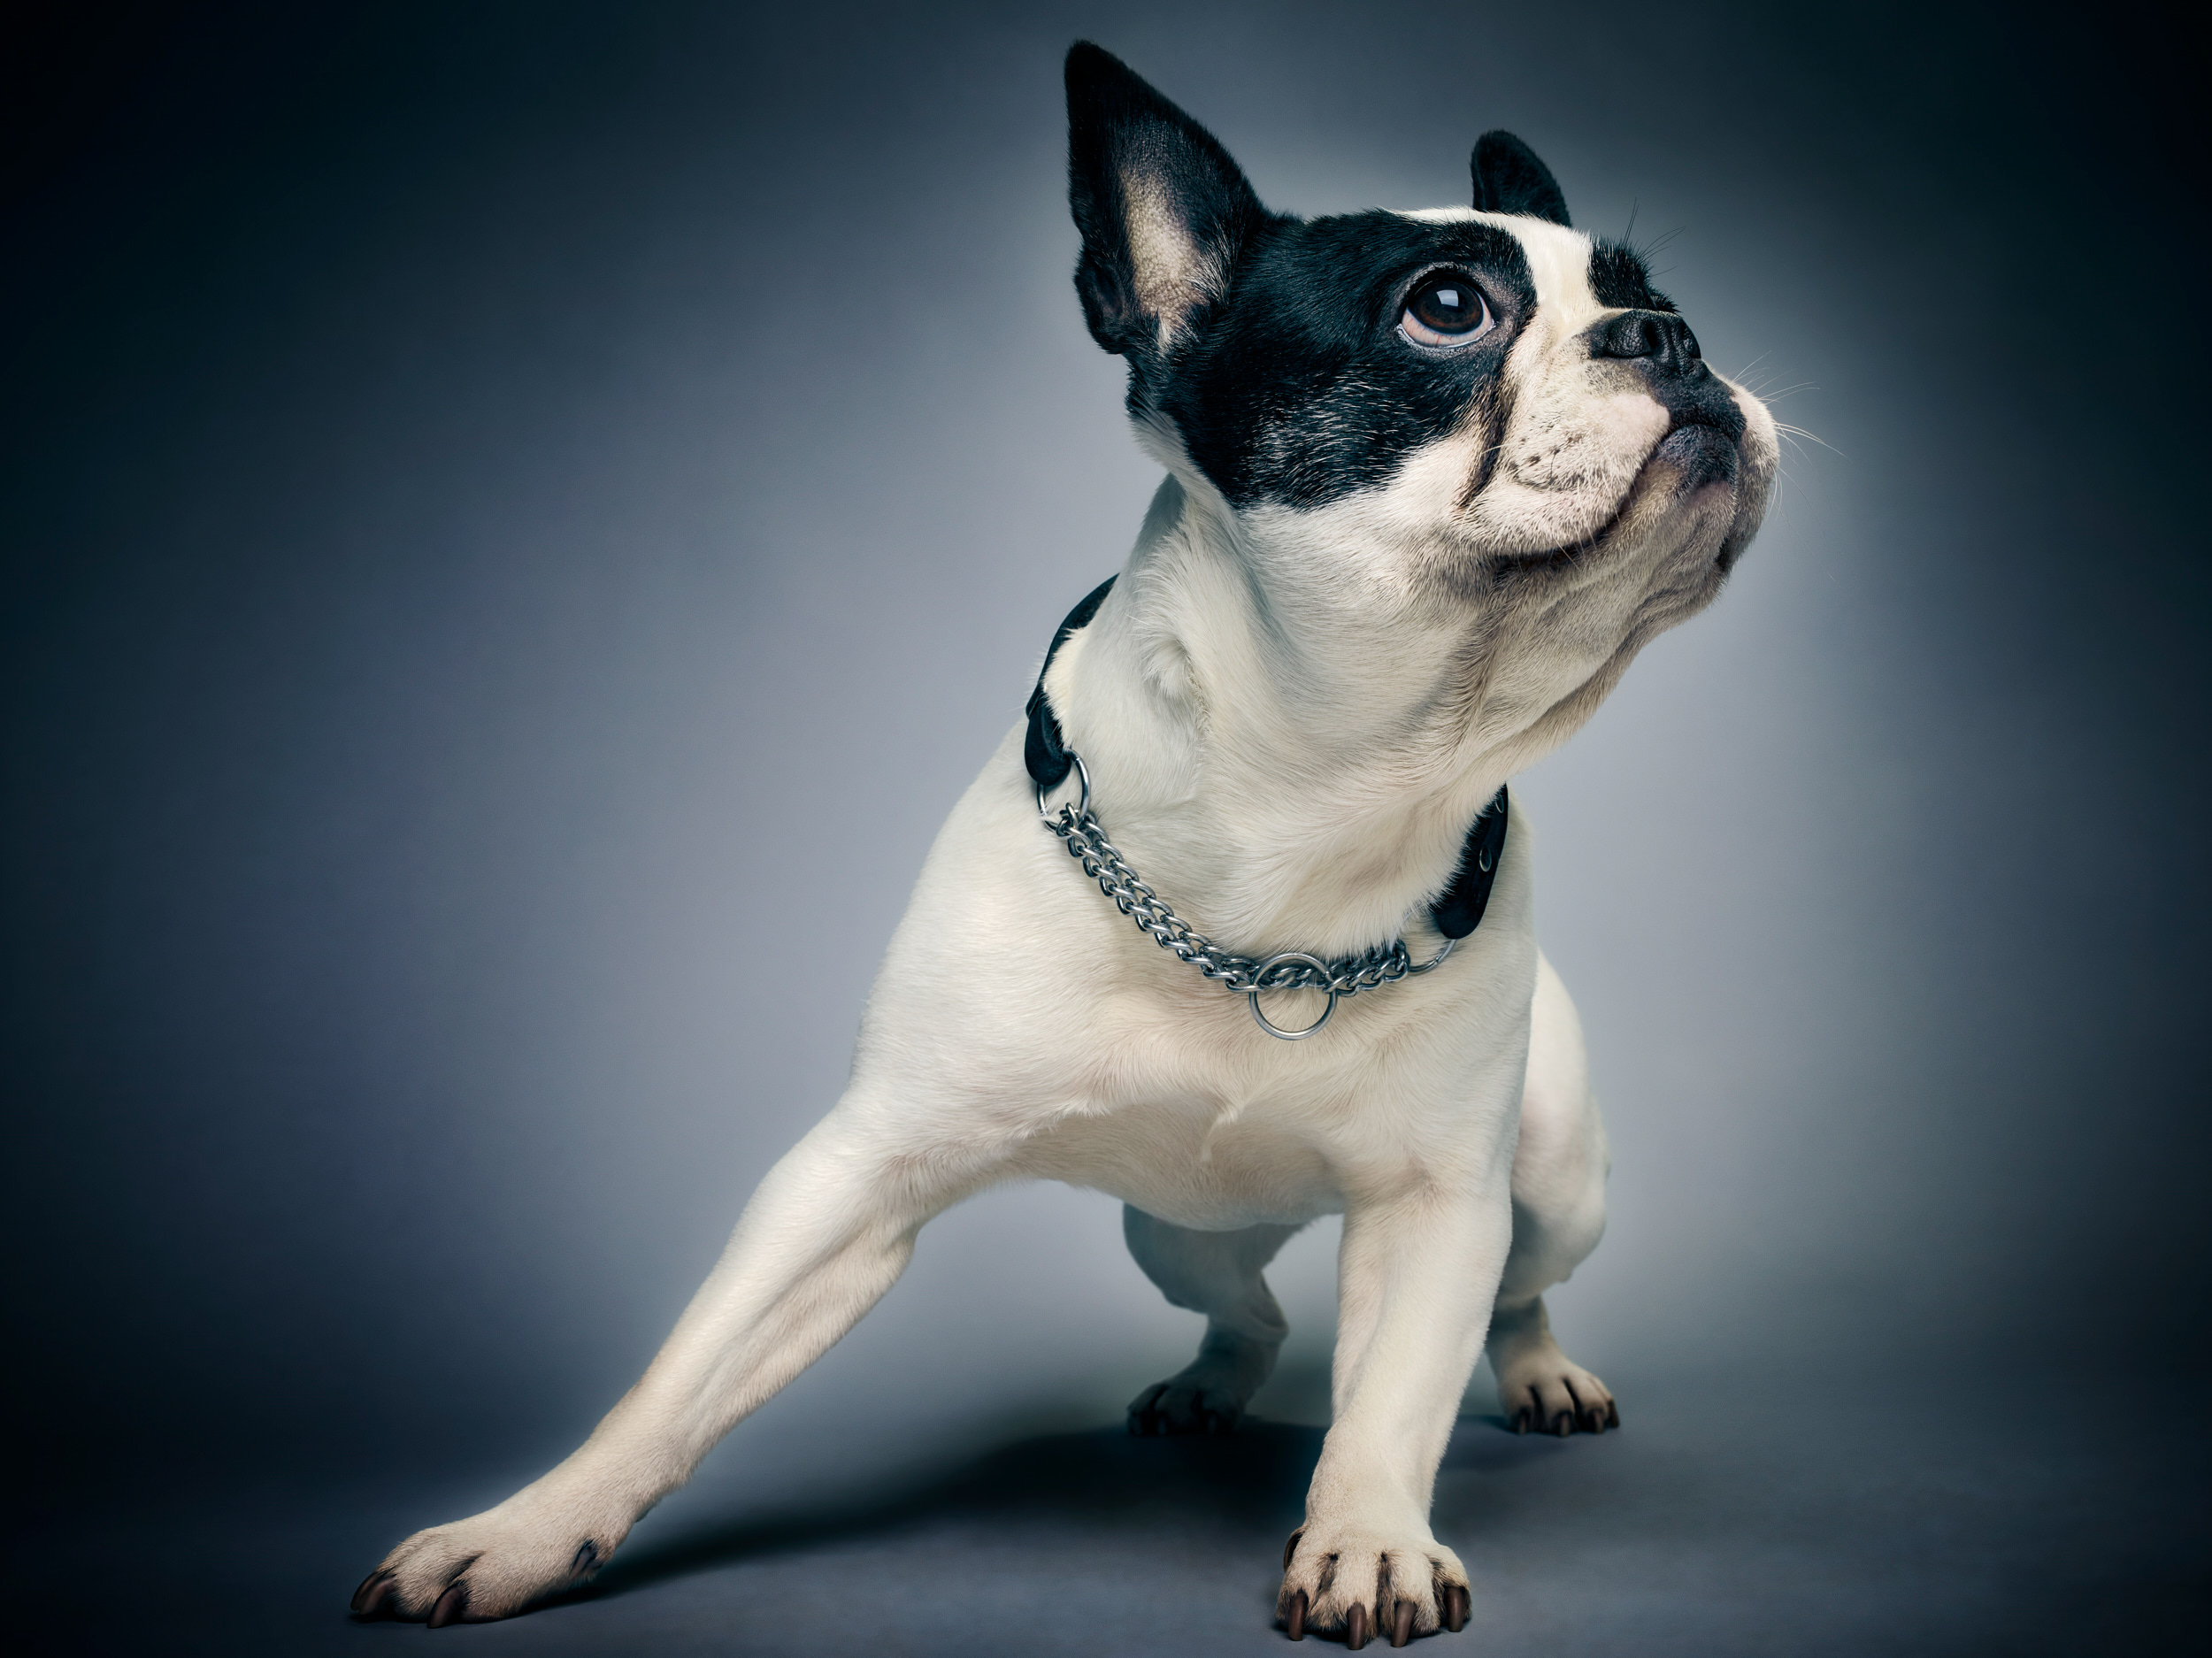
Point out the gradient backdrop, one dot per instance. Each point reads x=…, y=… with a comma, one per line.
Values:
x=520, y=520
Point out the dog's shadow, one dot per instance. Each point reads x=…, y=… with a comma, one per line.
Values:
x=1251, y=1482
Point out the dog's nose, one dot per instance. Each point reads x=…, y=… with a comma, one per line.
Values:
x=1660, y=344
x=1659, y=335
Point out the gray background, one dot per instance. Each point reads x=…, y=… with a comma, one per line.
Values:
x=520, y=521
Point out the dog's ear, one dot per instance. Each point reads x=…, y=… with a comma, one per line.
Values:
x=1163, y=209
x=1508, y=179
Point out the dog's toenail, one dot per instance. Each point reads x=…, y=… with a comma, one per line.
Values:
x=369, y=1599
x=1457, y=1603
x=450, y=1605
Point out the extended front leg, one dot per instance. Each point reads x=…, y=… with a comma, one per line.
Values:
x=828, y=1232
x=1416, y=1275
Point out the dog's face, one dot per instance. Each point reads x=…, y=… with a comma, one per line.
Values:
x=1476, y=408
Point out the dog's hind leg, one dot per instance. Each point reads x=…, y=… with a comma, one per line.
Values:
x=1216, y=1273
x=1558, y=1215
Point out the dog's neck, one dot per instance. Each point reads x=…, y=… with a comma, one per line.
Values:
x=1287, y=746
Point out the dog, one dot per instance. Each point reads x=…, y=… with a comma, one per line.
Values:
x=1433, y=478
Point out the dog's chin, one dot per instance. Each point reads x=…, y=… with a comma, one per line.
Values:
x=1685, y=464
x=1698, y=456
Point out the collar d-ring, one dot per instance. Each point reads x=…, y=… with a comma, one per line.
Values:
x=1083, y=776
x=1252, y=996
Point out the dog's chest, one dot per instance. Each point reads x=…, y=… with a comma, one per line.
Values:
x=1226, y=1149
x=1203, y=1163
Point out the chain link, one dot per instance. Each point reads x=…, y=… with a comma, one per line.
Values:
x=1079, y=827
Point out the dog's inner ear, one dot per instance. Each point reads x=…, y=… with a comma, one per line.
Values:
x=1508, y=179
x=1163, y=209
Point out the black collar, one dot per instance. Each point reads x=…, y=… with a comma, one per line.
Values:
x=1456, y=914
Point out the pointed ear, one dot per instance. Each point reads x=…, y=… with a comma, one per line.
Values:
x=1163, y=209
x=1508, y=179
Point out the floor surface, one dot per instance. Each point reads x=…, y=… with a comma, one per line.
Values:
x=1976, y=1516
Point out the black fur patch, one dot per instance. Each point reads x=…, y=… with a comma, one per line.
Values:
x=1618, y=276
x=1280, y=365
x=1299, y=388
x=1508, y=179
x=1287, y=380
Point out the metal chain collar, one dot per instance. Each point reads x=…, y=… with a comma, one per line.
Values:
x=1246, y=975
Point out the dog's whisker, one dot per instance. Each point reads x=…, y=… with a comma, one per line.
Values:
x=1810, y=437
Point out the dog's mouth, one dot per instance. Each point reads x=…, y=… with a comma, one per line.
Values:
x=1694, y=454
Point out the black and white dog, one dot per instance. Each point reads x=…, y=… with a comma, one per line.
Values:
x=1434, y=479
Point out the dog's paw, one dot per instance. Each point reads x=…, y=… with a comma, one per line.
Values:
x=489, y=1567
x=1546, y=1392
x=1365, y=1583
x=1181, y=1406
x=1209, y=1394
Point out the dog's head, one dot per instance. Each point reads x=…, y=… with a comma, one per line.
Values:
x=1478, y=407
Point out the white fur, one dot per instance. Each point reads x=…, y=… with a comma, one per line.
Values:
x=1290, y=717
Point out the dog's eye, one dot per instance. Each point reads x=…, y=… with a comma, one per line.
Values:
x=1446, y=310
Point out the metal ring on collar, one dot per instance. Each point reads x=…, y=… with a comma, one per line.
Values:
x=1253, y=996
x=1434, y=962
x=1082, y=771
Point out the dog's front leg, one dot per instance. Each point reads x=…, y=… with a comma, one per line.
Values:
x=828, y=1232
x=1416, y=1274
